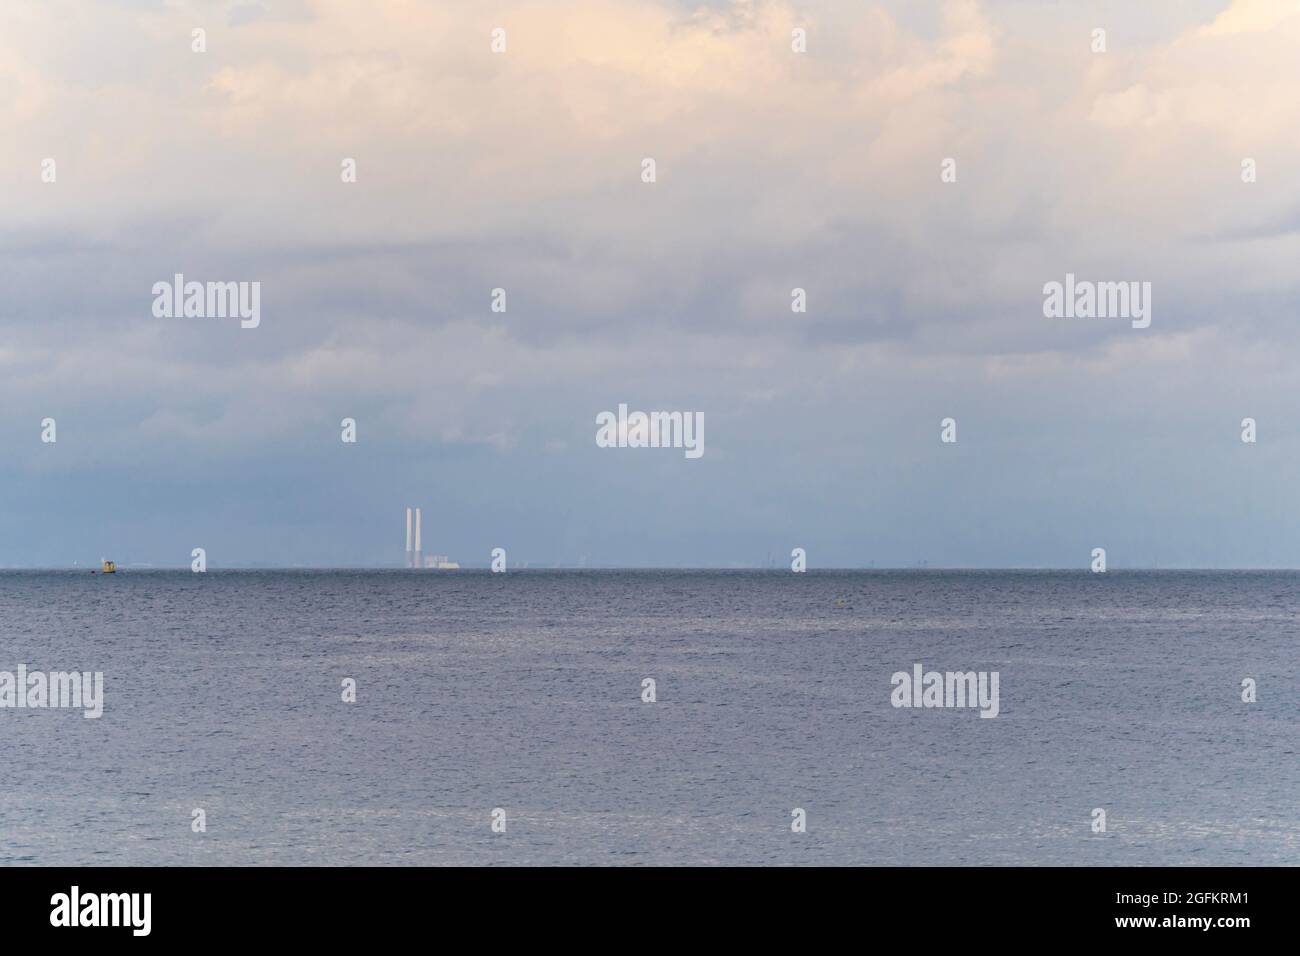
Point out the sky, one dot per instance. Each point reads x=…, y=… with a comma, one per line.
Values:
x=774, y=170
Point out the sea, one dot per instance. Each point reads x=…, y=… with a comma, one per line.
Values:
x=584, y=717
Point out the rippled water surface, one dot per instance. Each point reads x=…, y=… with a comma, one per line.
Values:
x=523, y=691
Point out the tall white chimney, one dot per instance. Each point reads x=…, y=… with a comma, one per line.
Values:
x=419, y=560
x=408, y=537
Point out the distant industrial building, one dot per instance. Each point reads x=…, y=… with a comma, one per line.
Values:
x=415, y=557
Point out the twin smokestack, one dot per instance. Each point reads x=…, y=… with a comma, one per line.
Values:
x=414, y=559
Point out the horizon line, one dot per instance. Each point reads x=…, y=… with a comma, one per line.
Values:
x=147, y=567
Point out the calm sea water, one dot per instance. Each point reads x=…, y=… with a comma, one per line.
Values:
x=523, y=691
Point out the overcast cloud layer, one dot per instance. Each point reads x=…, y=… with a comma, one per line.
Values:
x=775, y=170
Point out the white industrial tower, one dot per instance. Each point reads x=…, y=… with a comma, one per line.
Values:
x=419, y=555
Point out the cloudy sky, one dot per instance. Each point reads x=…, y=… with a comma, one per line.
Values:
x=775, y=169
